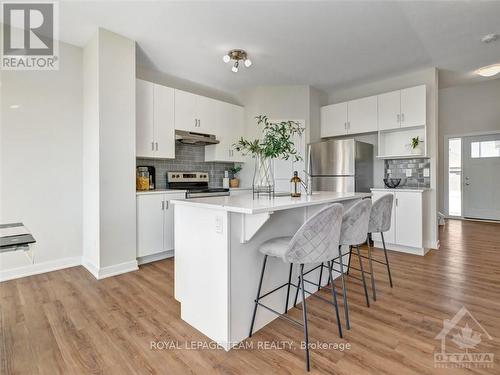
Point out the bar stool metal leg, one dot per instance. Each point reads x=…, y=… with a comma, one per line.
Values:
x=386, y=259
x=334, y=295
x=288, y=288
x=304, y=316
x=370, y=264
x=320, y=276
x=344, y=290
x=349, y=261
x=258, y=294
x=296, y=293
x=363, y=276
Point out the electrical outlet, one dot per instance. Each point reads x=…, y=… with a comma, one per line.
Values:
x=408, y=173
x=427, y=172
x=218, y=224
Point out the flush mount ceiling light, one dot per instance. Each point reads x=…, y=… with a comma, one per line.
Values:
x=237, y=55
x=488, y=71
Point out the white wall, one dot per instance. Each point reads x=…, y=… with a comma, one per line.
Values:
x=117, y=149
x=109, y=155
x=465, y=109
x=428, y=77
x=278, y=102
x=185, y=85
x=90, y=161
x=41, y=159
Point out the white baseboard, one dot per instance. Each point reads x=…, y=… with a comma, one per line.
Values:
x=433, y=245
x=401, y=248
x=155, y=257
x=116, y=269
x=38, y=268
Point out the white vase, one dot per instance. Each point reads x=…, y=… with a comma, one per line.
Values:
x=417, y=151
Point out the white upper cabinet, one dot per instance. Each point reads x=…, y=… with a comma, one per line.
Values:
x=195, y=113
x=413, y=106
x=155, y=136
x=333, y=120
x=362, y=115
x=389, y=110
x=229, y=128
x=402, y=108
x=163, y=120
x=185, y=111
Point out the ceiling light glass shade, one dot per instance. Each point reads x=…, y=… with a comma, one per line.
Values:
x=248, y=62
x=488, y=71
x=226, y=58
x=235, y=67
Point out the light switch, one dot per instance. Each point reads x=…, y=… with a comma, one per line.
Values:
x=427, y=172
x=218, y=224
x=408, y=173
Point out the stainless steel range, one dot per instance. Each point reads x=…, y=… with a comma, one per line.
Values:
x=196, y=184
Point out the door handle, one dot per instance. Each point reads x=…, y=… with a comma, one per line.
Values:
x=162, y=205
x=156, y=146
x=152, y=146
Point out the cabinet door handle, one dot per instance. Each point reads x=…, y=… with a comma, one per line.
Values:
x=345, y=125
x=156, y=146
x=195, y=122
x=398, y=118
x=402, y=117
x=397, y=202
x=152, y=146
x=166, y=204
x=162, y=205
x=199, y=123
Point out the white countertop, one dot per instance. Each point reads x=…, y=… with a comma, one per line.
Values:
x=247, y=205
x=241, y=188
x=409, y=189
x=160, y=191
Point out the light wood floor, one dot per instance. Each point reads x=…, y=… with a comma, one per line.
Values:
x=67, y=322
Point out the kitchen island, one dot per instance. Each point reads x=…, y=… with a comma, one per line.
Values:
x=217, y=262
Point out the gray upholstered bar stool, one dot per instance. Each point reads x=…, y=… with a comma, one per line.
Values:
x=353, y=234
x=317, y=240
x=380, y=222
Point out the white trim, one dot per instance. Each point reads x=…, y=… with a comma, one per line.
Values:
x=402, y=248
x=116, y=269
x=155, y=257
x=89, y=266
x=38, y=268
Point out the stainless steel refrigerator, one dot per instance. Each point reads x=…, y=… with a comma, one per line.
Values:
x=341, y=165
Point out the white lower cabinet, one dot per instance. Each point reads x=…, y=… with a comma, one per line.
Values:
x=406, y=233
x=155, y=223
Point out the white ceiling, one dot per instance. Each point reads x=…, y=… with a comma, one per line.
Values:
x=325, y=44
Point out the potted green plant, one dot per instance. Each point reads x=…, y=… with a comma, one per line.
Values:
x=234, y=182
x=276, y=143
x=415, y=145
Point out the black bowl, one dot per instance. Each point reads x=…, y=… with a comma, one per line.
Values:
x=392, y=183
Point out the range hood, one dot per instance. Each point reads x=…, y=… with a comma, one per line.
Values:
x=193, y=138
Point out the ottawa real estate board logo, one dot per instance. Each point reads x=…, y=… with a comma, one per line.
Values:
x=463, y=343
x=30, y=36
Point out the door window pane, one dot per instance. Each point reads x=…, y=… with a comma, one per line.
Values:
x=485, y=149
x=455, y=176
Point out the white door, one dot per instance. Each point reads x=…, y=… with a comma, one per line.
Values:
x=409, y=219
x=481, y=177
x=362, y=115
x=150, y=223
x=144, y=135
x=185, y=111
x=413, y=106
x=389, y=110
x=168, y=227
x=164, y=121
x=333, y=120
x=390, y=235
x=206, y=113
